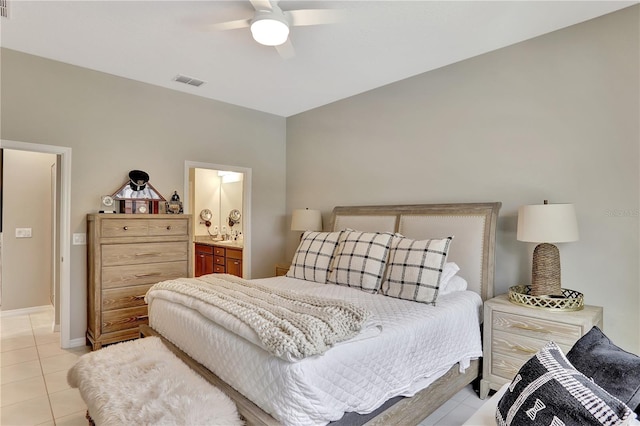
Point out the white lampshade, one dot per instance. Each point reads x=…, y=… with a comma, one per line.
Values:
x=547, y=223
x=306, y=220
x=269, y=31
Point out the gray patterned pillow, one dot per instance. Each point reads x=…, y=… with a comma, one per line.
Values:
x=415, y=269
x=614, y=369
x=549, y=391
x=360, y=260
x=313, y=256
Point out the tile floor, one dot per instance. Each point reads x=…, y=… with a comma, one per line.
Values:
x=33, y=374
x=456, y=411
x=34, y=388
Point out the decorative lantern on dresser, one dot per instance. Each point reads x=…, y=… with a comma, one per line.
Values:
x=127, y=254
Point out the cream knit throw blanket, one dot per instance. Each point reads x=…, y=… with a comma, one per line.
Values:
x=289, y=324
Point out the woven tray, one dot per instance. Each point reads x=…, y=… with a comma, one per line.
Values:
x=570, y=300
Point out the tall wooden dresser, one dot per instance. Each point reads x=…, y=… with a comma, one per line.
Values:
x=127, y=254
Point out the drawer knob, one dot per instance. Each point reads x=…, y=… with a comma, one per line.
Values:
x=126, y=228
x=168, y=227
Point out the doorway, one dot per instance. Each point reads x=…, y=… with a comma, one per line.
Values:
x=62, y=264
x=227, y=188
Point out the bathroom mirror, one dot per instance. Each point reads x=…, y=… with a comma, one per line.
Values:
x=218, y=192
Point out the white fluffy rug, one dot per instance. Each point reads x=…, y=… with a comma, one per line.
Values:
x=141, y=382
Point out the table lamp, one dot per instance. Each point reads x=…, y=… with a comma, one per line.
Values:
x=545, y=224
x=306, y=220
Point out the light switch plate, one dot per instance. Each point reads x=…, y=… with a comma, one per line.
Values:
x=23, y=232
x=79, y=239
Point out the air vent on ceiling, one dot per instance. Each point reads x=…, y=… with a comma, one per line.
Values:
x=4, y=9
x=187, y=80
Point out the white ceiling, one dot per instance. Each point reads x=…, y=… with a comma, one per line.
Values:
x=377, y=43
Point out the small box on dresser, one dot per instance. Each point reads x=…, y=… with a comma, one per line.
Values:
x=514, y=333
x=126, y=255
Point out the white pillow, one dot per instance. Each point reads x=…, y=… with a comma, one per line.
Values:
x=449, y=270
x=360, y=260
x=313, y=256
x=415, y=268
x=456, y=283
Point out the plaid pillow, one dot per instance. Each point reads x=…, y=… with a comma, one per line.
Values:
x=548, y=390
x=415, y=268
x=313, y=256
x=360, y=260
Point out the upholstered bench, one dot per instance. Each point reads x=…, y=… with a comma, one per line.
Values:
x=142, y=382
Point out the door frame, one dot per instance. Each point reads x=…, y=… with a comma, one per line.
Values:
x=65, y=229
x=246, y=204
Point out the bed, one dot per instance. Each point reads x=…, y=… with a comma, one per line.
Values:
x=389, y=378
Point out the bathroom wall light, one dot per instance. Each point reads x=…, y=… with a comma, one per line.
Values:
x=229, y=177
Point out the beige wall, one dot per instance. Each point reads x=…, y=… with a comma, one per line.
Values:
x=554, y=118
x=26, y=271
x=114, y=125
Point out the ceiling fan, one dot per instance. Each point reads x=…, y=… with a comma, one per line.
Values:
x=270, y=25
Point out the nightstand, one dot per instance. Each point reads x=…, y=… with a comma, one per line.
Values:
x=514, y=333
x=282, y=269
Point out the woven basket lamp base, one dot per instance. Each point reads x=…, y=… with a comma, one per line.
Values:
x=545, y=271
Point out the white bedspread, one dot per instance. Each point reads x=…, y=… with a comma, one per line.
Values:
x=289, y=324
x=418, y=343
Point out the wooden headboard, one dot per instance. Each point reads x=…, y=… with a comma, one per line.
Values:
x=473, y=226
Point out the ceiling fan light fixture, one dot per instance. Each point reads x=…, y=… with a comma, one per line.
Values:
x=269, y=30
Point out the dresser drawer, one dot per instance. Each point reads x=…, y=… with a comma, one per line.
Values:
x=126, y=297
x=537, y=328
x=218, y=260
x=203, y=248
x=234, y=254
x=218, y=269
x=122, y=319
x=124, y=228
x=128, y=275
x=218, y=251
x=518, y=346
x=505, y=366
x=168, y=227
x=135, y=254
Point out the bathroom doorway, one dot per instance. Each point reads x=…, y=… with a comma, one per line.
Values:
x=219, y=198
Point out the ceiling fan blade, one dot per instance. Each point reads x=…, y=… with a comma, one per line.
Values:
x=286, y=50
x=261, y=4
x=304, y=17
x=230, y=25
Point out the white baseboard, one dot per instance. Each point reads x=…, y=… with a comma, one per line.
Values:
x=26, y=311
x=74, y=343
